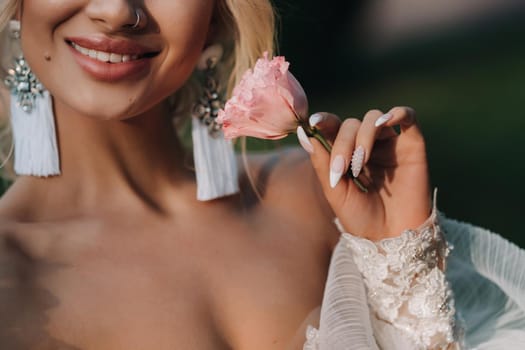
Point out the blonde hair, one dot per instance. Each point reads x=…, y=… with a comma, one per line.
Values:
x=254, y=33
x=246, y=29
x=7, y=11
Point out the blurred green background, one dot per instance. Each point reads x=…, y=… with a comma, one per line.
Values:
x=462, y=68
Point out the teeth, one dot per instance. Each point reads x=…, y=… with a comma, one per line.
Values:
x=115, y=58
x=104, y=56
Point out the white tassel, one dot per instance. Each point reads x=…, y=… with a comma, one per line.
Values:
x=36, y=151
x=215, y=164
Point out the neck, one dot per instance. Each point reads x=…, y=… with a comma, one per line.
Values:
x=106, y=163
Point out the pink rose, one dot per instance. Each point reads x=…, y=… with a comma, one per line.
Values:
x=268, y=102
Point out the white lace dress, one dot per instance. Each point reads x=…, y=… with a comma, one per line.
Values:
x=394, y=294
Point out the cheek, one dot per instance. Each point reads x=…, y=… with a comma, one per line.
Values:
x=43, y=48
x=39, y=19
x=184, y=28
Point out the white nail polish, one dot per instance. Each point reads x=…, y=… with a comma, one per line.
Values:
x=336, y=170
x=383, y=119
x=315, y=119
x=304, y=141
x=357, y=161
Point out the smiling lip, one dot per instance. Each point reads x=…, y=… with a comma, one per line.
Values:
x=111, y=60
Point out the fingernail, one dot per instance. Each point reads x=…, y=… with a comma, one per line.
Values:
x=315, y=119
x=336, y=170
x=304, y=141
x=357, y=161
x=383, y=119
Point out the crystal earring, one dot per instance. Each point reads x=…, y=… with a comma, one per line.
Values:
x=32, y=119
x=215, y=162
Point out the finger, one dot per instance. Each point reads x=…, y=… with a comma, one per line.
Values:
x=366, y=136
x=342, y=150
x=324, y=167
x=327, y=123
x=405, y=117
x=386, y=133
x=320, y=158
x=377, y=125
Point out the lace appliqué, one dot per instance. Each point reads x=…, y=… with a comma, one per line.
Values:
x=406, y=285
x=312, y=339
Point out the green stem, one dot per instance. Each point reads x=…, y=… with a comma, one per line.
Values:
x=319, y=137
x=315, y=133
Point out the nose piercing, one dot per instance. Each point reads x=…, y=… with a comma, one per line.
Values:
x=137, y=22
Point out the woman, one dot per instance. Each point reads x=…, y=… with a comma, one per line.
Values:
x=107, y=246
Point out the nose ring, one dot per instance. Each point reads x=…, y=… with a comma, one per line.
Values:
x=139, y=19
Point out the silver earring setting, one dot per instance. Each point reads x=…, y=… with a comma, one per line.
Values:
x=214, y=158
x=23, y=84
x=208, y=106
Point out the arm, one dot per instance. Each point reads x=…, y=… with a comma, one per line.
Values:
x=404, y=284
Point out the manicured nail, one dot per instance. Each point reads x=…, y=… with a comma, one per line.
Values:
x=336, y=170
x=304, y=141
x=315, y=119
x=383, y=119
x=357, y=161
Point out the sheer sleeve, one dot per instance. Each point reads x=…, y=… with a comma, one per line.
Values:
x=390, y=294
x=487, y=275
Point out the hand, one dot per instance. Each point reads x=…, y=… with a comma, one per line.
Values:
x=394, y=168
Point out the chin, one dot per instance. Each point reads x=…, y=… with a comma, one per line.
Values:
x=111, y=113
x=97, y=111
x=105, y=105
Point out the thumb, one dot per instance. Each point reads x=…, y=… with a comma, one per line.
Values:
x=320, y=159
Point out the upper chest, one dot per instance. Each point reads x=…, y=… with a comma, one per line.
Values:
x=205, y=284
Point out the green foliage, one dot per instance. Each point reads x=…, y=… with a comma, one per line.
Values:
x=4, y=184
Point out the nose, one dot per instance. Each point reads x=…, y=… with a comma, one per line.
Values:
x=116, y=15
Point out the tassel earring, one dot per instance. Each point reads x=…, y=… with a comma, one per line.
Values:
x=32, y=119
x=215, y=163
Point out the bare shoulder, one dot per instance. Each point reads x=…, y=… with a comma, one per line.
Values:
x=285, y=177
x=287, y=182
